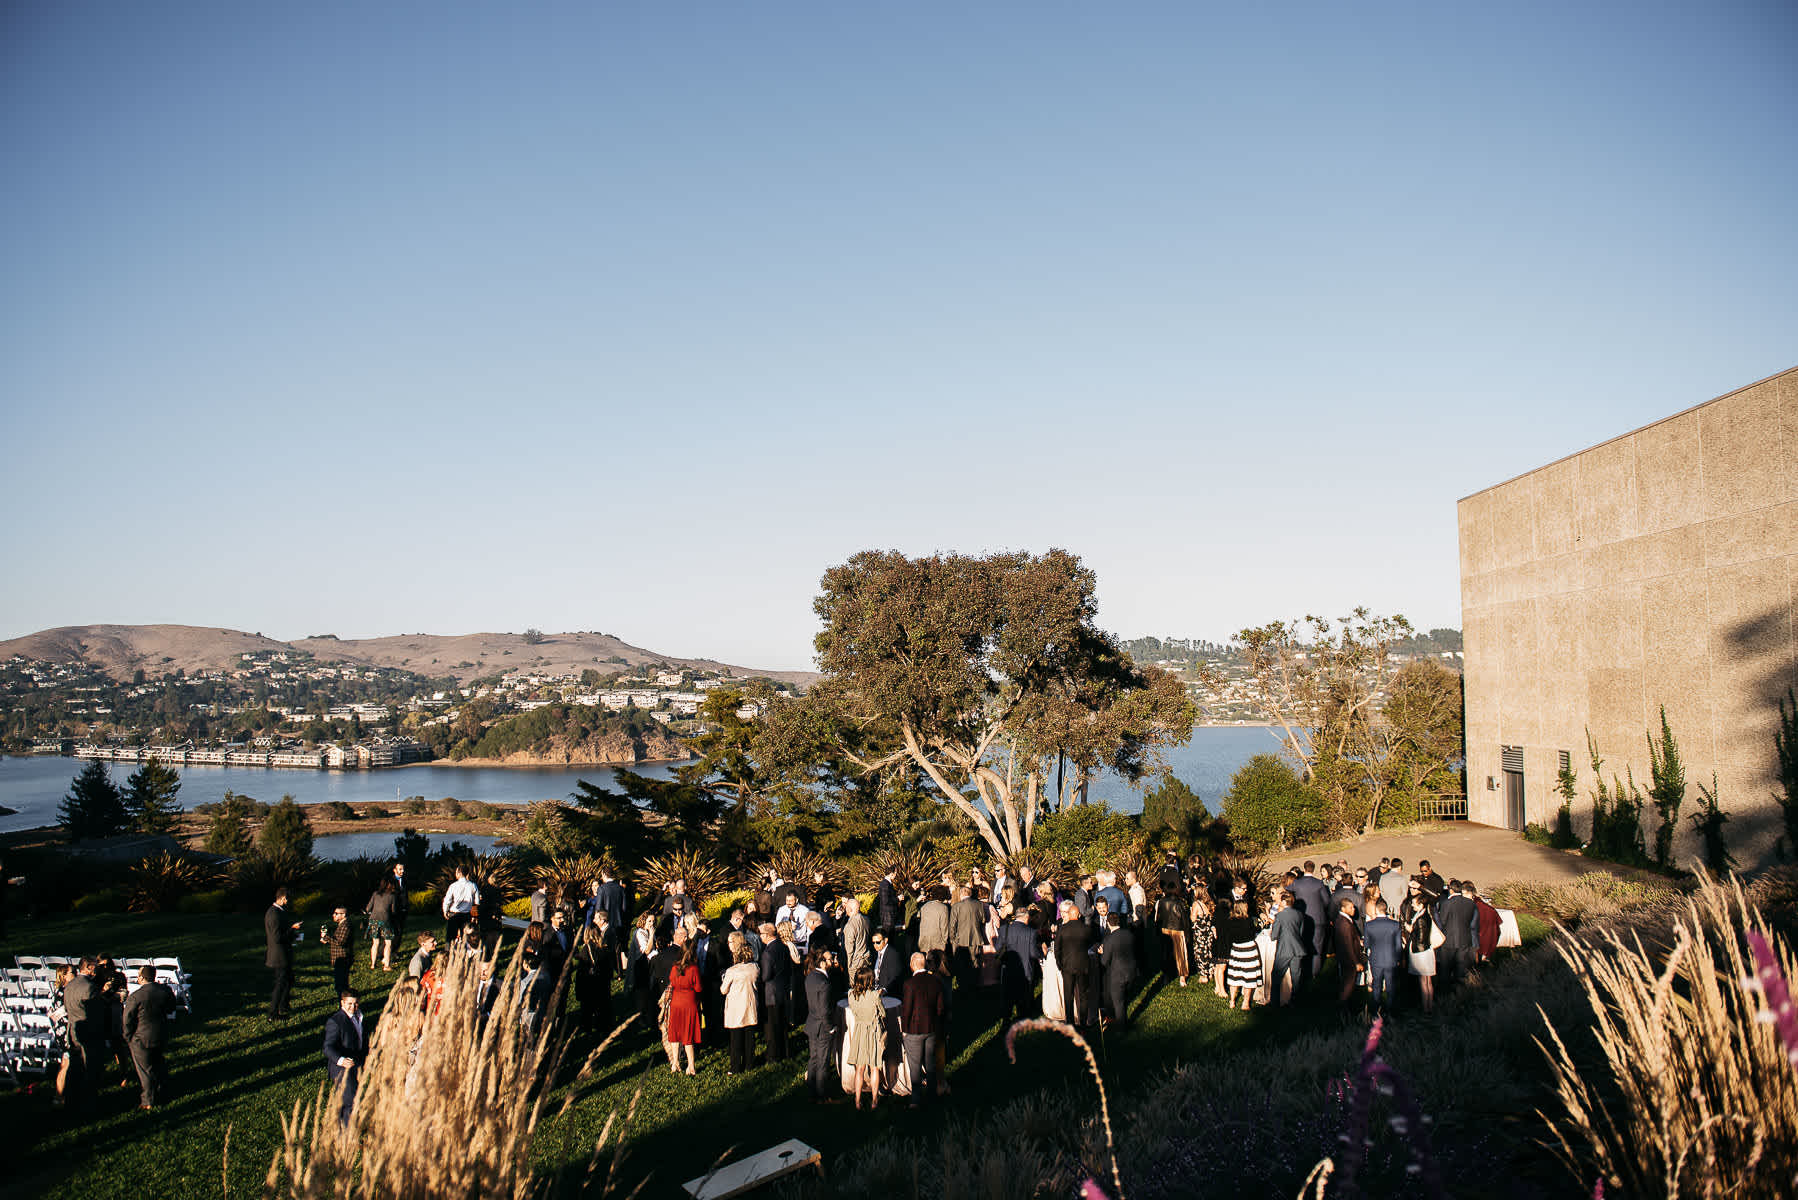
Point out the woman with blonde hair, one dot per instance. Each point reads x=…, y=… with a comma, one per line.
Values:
x=741, y=1012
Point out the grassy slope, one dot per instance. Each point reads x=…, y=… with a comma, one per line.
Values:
x=231, y=1066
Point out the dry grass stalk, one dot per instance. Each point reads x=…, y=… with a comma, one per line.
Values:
x=1092, y=1067
x=1705, y=1102
x=446, y=1105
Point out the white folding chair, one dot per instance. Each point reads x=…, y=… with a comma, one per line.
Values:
x=53, y=961
x=29, y=962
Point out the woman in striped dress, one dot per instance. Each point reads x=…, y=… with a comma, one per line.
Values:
x=1243, y=975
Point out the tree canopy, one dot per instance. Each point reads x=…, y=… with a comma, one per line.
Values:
x=150, y=797
x=94, y=806
x=990, y=677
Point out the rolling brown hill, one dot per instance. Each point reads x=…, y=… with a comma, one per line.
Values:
x=158, y=650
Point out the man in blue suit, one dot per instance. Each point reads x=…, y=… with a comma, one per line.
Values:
x=609, y=895
x=346, y=1047
x=1290, y=946
x=1384, y=940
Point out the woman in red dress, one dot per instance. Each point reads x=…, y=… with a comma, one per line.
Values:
x=683, y=1011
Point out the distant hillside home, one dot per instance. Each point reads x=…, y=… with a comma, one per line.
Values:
x=1658, y=568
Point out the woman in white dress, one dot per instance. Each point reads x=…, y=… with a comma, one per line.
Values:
x=1055, y=1005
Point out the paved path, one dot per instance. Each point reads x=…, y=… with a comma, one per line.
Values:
x=1456, y=850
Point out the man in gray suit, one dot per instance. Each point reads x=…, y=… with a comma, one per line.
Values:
x=967, y=935
x=86, y=1008
x=854, y=932
x=148, y=1011
x=933, y=921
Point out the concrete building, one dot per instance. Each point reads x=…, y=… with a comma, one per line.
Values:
x=1659, y=568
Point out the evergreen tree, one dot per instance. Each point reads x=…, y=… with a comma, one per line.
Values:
x=287, y=831
x=150, y=797
x=1175, y=808
x=94, y=808
x=229, y=833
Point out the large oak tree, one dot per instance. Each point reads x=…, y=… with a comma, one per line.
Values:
x=990, y=677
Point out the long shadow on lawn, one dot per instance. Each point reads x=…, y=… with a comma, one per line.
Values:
x=684, y=1125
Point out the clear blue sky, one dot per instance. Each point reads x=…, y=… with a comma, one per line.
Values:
x=377, y=318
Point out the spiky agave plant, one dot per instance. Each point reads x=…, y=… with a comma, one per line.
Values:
x=570, y=876
x=908, y=864
x=500, y=877
x=799, y=866
x=702, y=874
x=161, y=879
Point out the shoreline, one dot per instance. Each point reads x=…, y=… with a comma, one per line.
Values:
x=501, y=764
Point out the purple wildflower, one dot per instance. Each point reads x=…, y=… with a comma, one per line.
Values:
x=1376, y=1077
x=1770, y=981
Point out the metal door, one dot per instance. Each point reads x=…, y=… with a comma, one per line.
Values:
x=1514, y=800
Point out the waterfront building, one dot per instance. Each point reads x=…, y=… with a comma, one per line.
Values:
x=1658, y=568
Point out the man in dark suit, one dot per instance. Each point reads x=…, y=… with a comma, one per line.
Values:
x=774, y=972
x=610, y=896
x=1020, y=951
x=1314, y=894
x=1072, y=939
x=889, y=913
x=282, y=931
x=1458, y=917
x=1118, y=955
x=146, y=1017
x=921, y=1018
x=889, y=965
x=1384, y=941
x=402, y=904
x=346, y=1047
x=820, y=1020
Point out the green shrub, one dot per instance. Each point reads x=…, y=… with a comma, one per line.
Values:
x=1088, y=836
x=1538, y=835
x=102, y=900
x=720, y=903
x=1269, y=804
x=414, y=805
x=375, y=811
x=424, y=901
x=218, y=900
x=309, y=904
x=449, y=806
x=519, y=909
x=337, y=810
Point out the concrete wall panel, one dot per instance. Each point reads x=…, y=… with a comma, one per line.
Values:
x=1669, y=475
x=1607, y=493
x=1744, y=463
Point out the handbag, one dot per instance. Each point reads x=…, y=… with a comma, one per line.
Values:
x=1437, y=937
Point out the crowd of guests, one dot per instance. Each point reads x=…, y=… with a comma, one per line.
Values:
x=878, y=995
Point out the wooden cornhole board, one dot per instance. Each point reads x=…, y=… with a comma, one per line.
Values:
x=746, y=1174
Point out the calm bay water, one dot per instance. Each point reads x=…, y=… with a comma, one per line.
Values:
x=34, y=784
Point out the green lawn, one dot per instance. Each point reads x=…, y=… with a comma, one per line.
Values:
x=233, y=1068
